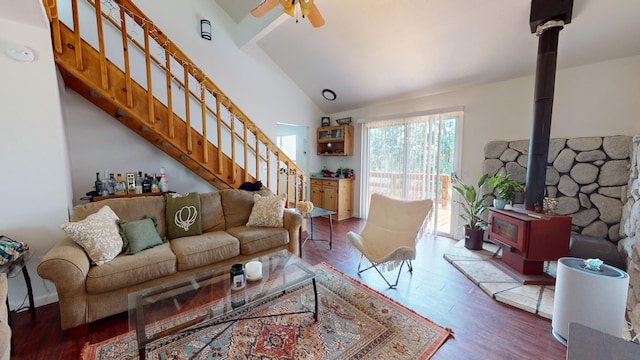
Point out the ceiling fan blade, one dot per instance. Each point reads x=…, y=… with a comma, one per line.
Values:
x=314, y=16
x=264, y=8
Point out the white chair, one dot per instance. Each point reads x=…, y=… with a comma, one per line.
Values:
x=388, y=239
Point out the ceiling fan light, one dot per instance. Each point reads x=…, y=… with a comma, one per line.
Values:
x=288, y=7
x=306, y=7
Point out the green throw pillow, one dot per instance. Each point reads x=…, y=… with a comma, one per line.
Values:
x=139, y=235
x=183, y=215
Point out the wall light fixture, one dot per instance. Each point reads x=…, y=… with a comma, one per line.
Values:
x=205, y=29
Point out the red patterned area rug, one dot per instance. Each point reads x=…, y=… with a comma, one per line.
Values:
x=354, y=321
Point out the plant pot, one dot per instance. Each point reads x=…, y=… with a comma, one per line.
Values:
x=519, y=197
x=499, y=203
x=473, y=239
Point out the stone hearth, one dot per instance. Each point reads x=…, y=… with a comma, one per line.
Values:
x=536, y=299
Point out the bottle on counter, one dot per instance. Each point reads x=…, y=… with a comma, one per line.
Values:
x=131, y=182
x=105, y=183
x=139, y=183
x=146, y=183
x=98, y=184
x=120, y=187
x=154, y=184
x=111, y=185
x=164, y=183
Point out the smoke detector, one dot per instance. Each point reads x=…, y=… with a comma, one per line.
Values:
x=20, y=53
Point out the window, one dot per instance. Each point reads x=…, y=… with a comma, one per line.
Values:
x=288, y=144
x=412, y=157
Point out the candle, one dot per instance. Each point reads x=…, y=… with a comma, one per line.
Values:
x=254, y=270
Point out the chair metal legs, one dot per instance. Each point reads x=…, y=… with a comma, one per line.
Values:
x=375, y=266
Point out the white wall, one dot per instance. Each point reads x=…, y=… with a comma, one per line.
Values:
x=98, y=142
x=598, y=99
x=33, y=155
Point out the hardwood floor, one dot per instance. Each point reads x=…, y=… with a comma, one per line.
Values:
x=484, y=328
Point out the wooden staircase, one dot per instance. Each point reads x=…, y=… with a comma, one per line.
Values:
x=171, y=103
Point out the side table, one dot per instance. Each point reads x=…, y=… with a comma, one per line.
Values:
x=12, y=269
x=316, y=212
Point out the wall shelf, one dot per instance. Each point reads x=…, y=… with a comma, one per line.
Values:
x=335, y=140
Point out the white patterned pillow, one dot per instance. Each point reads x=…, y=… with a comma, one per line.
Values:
x=98, y=234
x=268, y=211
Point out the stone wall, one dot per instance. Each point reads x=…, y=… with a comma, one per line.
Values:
x=597, y=182
x=630, y=232
x=588, y=175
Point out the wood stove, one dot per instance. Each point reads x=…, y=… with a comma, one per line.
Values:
x=528, y=239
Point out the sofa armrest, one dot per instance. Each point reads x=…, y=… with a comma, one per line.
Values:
x=66, y=264
x=5, y=330
x=293, y=222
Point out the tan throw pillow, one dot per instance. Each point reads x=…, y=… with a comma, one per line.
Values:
x=98, y=234
x=268, y=211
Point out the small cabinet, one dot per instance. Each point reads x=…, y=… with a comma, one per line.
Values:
x=333, y=194
x=335, y=140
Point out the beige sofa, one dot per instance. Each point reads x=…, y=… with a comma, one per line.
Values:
x=88, y=292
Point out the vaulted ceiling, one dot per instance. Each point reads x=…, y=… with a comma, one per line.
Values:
x=372, y=51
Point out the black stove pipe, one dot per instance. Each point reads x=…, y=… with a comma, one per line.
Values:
x=542, y=111
x=547, y=18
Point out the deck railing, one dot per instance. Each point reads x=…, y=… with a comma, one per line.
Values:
x=417, y=186
x=128, y=67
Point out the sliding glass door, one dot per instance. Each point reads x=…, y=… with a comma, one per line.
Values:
x=412, y=158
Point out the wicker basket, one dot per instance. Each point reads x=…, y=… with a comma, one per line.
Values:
x=344, y=121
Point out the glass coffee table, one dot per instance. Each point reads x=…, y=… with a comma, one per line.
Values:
x=168, y=309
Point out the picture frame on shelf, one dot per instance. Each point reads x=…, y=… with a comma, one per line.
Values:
x=326, y=121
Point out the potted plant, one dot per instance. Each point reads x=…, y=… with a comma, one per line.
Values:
x=473, y=207
x=505, y=188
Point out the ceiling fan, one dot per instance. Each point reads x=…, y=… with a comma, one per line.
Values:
x=307, y=8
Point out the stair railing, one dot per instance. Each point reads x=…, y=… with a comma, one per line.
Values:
x=183, y=108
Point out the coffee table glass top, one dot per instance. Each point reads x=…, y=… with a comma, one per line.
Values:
x=211, y=294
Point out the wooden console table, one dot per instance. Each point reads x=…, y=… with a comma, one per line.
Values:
x=98, y=198
x=528, y=239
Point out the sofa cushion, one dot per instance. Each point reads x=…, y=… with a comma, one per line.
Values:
x=267, y=211
x=256, y=239
x=98, y=234
x=138, y=235
x=127, y=270
x=237, y=205
x=211, y=211
x=206, y=249
x=128, y=209
x=183, y=215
